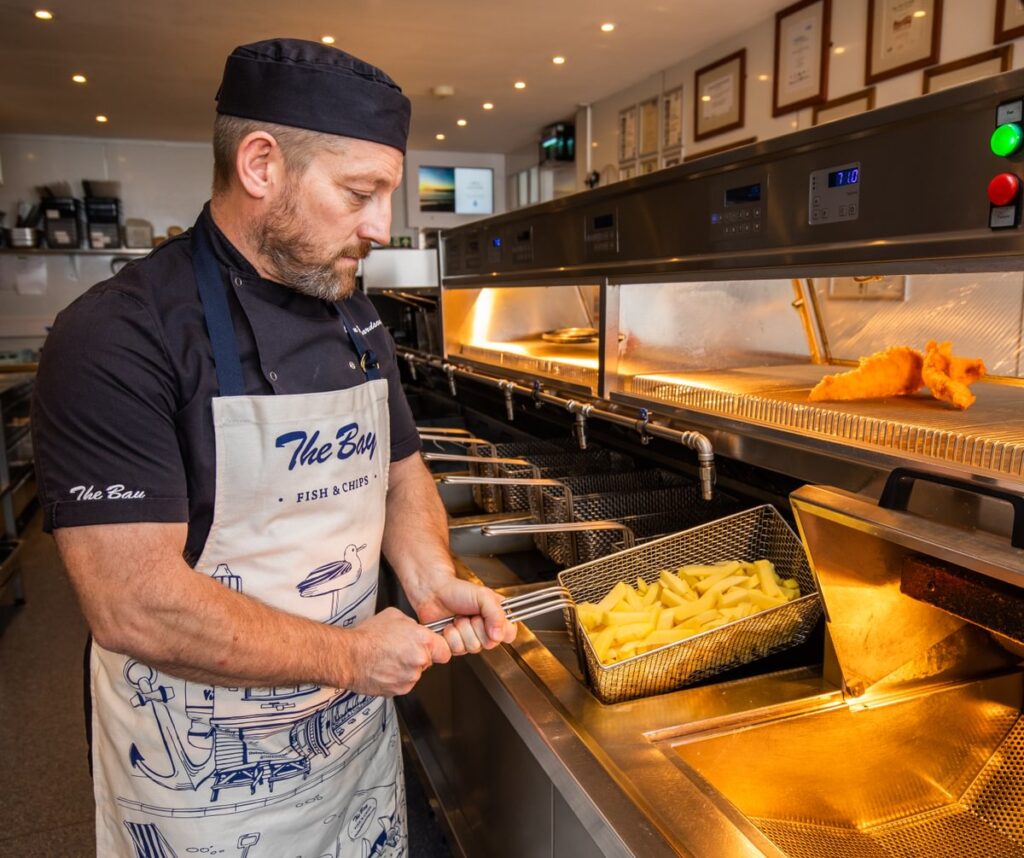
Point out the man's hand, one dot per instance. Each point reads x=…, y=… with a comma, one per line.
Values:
x=390, y=653
x=480, y=622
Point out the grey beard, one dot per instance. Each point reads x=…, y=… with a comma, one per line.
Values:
x=287, y=250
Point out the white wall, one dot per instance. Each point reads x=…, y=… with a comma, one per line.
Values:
x=967, y=28
x=164, y=182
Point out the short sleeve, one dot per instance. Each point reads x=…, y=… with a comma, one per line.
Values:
x=104, y=434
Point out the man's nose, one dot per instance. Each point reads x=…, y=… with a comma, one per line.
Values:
x=376, y=225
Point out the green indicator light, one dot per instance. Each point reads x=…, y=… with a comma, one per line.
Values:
x=1006, y=139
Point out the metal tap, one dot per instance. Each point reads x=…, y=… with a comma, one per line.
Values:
x=411, y=362
x=582, y=412
x=507, y=388
x=641, y=426
x=449, y=371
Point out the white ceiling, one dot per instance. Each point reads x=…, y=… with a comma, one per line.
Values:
x=153, y=67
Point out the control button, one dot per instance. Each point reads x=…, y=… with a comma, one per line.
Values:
x=757, y=212
x=1012, y=111
x=757, y=226
x=1006, y=139
x=1003, y=189
x=816, y=201
x=842, y=211
x=851, y=211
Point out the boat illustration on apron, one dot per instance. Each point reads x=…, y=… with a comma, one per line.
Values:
x=297, y=771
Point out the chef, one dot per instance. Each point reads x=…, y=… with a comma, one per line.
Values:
x=224, y=452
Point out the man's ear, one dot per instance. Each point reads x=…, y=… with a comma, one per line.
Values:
x=259, y=165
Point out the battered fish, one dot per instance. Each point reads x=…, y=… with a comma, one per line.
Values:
x=894, y=372
x=947, y=376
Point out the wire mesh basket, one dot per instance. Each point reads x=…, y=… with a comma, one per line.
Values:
x=594, y=461
x=555, y=503
x=488, y=497
x=758, y=533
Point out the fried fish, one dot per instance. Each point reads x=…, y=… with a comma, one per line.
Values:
x=893, y=372
x=948, y=376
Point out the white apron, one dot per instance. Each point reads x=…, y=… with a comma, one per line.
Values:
x=298, y=771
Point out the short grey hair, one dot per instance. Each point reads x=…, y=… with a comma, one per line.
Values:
x=298, y=146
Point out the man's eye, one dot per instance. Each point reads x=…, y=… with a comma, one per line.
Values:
x=360, y=197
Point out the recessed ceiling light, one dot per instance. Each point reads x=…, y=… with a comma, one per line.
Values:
x=44, y=14
x=439, y=137
x=920, y=13
x=558, y=61
x=762, y=77
x=78, y=78
x=102, y=118
x=487, y=105
x=607, y=28
x=840, y=50
x=520, y=84
x=594, y=144
x=327, y=40
x=705, y=98
x=461, y=123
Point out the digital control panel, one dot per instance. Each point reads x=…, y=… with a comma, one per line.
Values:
x=493, y=249
x=522, y=246
x=739, y=211
x=833, y=194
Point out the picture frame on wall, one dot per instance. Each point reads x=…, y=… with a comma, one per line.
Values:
x=719, y=91
x=967, y=69
x=801, y=55
x=648, y=166
x=903, y=35
x=627, y=134
x=627, y=171
x=1009, y=20
x=672, y=119
x=847, y=105
x=671, y=159
x=648, y=133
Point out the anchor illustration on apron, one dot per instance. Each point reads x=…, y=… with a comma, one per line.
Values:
x=303, y=771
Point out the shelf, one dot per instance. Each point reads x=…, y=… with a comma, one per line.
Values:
x=75, y=251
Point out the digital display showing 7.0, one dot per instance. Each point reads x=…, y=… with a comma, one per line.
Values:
x=840, y=178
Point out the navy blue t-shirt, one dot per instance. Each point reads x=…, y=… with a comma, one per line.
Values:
x=122, y=423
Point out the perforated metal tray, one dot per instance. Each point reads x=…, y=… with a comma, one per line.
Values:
x=542, y=359
x=752, y=535
x=989, y=435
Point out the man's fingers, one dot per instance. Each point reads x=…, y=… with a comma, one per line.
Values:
x=440, y=648
x=464, y=626
x=455, y=644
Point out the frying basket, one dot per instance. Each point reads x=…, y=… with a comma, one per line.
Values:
x=755, y=534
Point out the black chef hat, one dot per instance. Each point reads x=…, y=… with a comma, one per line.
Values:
x=311, y=85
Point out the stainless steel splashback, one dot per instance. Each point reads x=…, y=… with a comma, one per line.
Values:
x=917, y=203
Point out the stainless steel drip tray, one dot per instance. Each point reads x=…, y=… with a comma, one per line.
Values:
x=989, y=435
x=936, y=774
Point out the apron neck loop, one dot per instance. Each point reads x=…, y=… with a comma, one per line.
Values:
x=368, y=362
x=213, y=295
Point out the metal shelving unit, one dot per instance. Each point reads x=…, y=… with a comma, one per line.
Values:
x=17, y=476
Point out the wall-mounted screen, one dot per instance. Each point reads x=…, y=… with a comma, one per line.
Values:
x=456, y=190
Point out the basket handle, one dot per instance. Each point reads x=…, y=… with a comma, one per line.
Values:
x=479, y=460
x=553, y=527
x=896, y=495
x=462, y=479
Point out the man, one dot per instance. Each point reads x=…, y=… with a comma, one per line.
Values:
x=219, y=433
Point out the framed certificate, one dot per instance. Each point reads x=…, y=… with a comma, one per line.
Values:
x=1009, y=20
x=648, y=127
x=903, y=35
x=719, y=96
x=969, y=68
x=627, y=134
x=671, y=159
x=847, y=105
x=672, y=119
x=627, y=171
x=648, y=166
x=801, y=55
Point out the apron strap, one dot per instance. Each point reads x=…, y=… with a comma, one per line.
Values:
x=218, y=315
x=368, y=362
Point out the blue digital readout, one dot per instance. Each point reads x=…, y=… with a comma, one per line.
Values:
x=495, y=242
x=841, y=178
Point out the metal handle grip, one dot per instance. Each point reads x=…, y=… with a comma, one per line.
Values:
x=480, y=460
x=467, y=440
x=461, y=479
x=553, y=527
x=443, y=430
x=896, y=495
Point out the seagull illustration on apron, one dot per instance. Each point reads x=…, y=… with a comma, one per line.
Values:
x=295, y=771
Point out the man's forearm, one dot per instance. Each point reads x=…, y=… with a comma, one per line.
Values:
x=416, y=530
x=171, y=617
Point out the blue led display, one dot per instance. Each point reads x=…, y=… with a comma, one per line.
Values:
x=841, y=178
